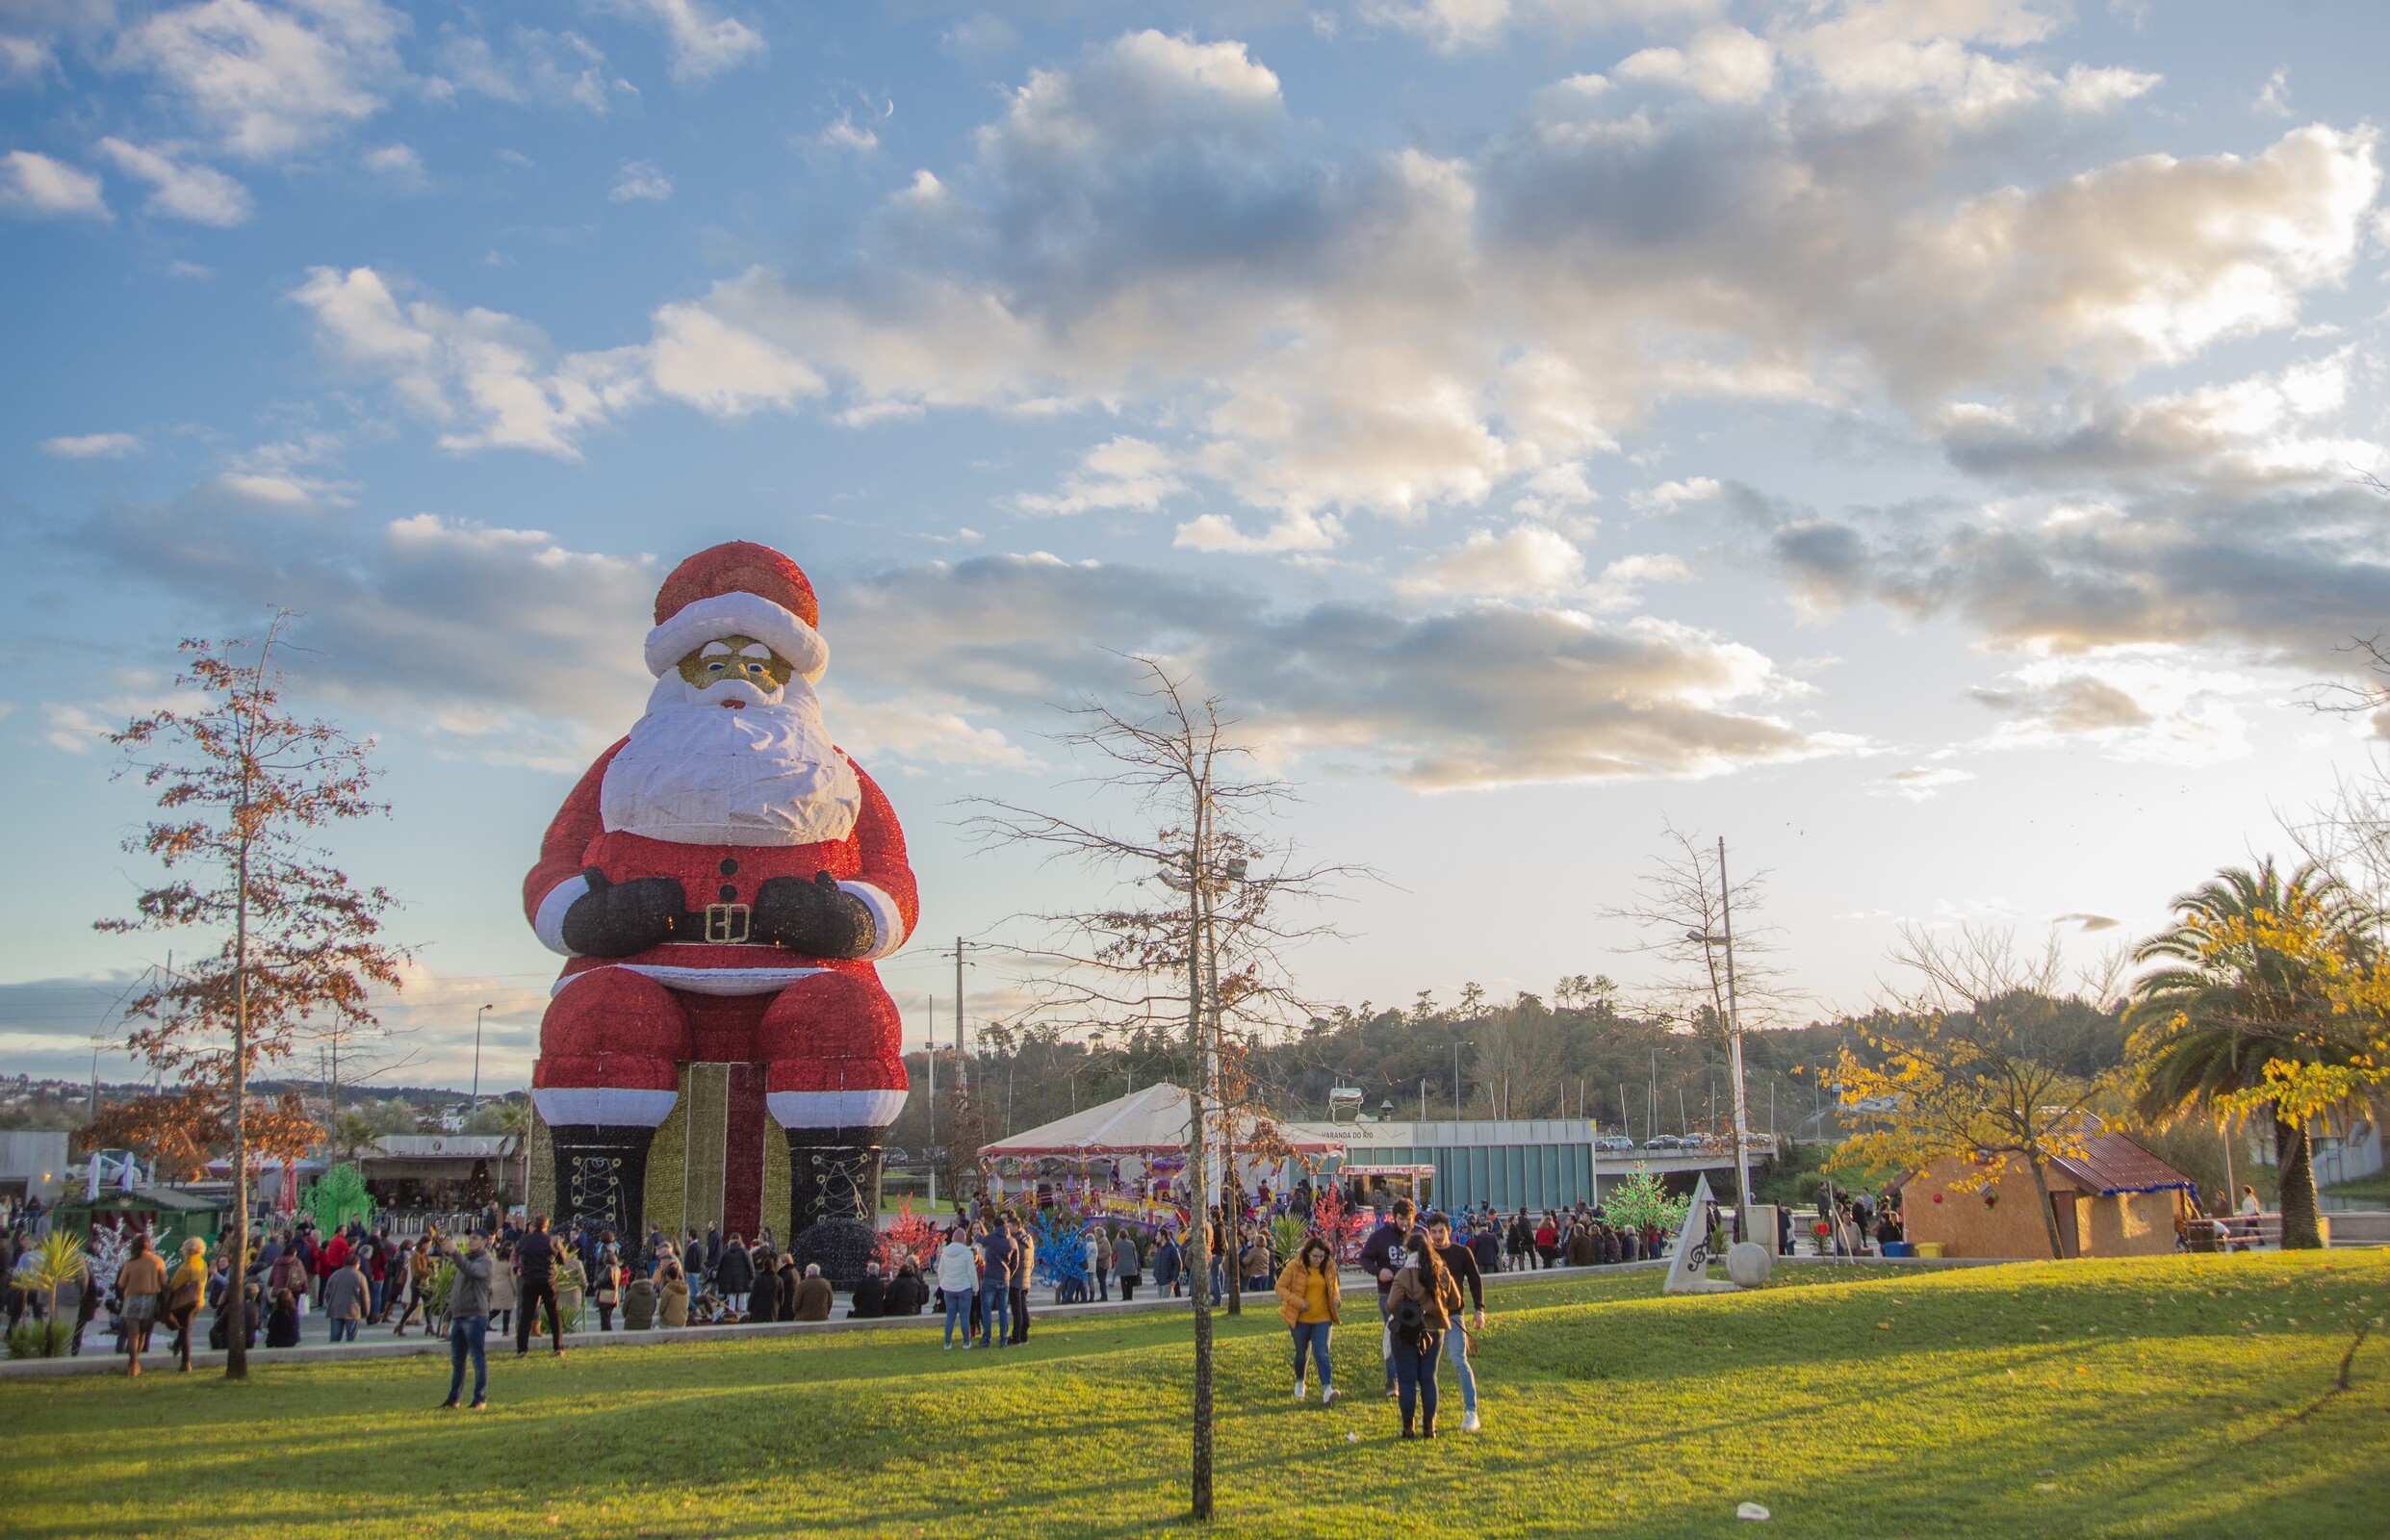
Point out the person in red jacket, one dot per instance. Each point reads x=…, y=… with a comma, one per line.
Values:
x=721, y=883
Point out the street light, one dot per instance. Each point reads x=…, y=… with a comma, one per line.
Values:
x=476, y=1053
x=1734, y=1035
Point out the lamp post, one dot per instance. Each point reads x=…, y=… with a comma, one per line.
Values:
x=476, y=1053
x=1735, y=1036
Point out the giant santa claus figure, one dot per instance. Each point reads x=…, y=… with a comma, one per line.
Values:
x=722, y=881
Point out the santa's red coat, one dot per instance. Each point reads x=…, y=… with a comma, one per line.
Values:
x=618, y=1028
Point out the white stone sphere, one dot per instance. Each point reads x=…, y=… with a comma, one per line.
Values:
x=1748, y=1263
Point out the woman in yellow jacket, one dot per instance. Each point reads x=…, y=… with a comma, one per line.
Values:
x=1312, y=1306
x=185, y=1293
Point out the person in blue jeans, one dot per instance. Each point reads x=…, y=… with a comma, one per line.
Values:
x=468, y=1320
x=957, y=1283
x=996, y=1255
x=1462, y=1264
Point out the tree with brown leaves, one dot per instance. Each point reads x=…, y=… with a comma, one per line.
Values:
x=243, y=788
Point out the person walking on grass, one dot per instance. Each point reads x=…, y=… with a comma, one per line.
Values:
x=957, y=1283
x=1382, y=1254
x=141, y=1285
x=1421, y=1306
x=1311, y=1306
x=535, y=1285
x=1462, y=1264
x=184, y=1291
x=468, y=1320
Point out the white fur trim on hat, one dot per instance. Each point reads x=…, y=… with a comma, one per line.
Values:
x=709, y=620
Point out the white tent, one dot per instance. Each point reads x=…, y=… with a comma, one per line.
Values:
x=1147, y=1122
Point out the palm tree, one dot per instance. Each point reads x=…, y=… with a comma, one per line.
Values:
x=2223, y=1004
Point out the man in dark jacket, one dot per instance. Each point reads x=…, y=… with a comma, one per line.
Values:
x=1381, y=1255
x=907, y=1292
x=535, y=1282
x=735, y=1276
x=870, y=1295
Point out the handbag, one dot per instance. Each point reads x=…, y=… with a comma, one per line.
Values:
x=1408, y=1322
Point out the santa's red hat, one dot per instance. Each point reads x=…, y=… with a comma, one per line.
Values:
x=737, y=589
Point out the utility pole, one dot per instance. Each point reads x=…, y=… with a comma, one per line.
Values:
x=1457, y=1046
x=476, y=1053
x=1734, y=1039
x=962, y=1069
x=929, y=1050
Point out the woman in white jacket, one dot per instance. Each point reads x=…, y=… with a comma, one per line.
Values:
x=958, y=1275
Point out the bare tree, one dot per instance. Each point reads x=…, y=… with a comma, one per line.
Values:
x=1211, y=954
x=241, y=788
x=1718, y=976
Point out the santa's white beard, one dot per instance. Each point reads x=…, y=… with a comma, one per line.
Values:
x=696, y=772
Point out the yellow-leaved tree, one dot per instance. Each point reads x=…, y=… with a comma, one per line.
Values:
x=1985, y=1061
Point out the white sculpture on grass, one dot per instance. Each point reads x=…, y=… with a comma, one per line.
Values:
x=1688, y=1264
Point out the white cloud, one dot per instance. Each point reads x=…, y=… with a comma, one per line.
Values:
x=34, y=185
x=398, y=163
x=1120, y=473
x=1620, y=586
x=1722, y=64
x=1919, y=783
x=698, y=43
x=92, y=446
x=24, y=61
x=695, y=357
x=2152, y=705
x=487, y=380
x=639, y=180
x=1527, y=559
x=199, y=194
x=271, y=80
x=845, y=134
x=540, y=68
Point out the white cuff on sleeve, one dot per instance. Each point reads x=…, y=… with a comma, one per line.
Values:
x=886, y=918
x=549, y=923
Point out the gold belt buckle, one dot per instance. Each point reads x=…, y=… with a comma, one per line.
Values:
x=727, y=922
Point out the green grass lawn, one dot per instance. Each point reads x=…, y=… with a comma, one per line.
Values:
x=2165, y=1396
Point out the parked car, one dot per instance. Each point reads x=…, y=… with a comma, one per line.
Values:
x=1614, y=1145
x=1664, y=1142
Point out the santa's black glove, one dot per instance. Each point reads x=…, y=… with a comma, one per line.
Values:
x=817, y=918
x=616, y=920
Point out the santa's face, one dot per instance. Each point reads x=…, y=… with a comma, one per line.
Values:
x=732, y=750
x=735, y=660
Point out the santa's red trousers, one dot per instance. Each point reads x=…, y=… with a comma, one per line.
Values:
x=830, y=1045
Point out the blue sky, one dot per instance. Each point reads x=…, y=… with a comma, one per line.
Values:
x=1921, y=442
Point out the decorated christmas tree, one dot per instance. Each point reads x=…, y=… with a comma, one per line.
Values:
x=337, y=1196
x=1640, y=1201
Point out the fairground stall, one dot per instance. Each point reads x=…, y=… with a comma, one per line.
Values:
x=1127, y=1158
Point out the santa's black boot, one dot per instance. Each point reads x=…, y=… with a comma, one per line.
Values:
x=602, y=1176
x=834, y=1199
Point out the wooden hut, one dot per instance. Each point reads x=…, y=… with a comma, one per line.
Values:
x=2115, y=1200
